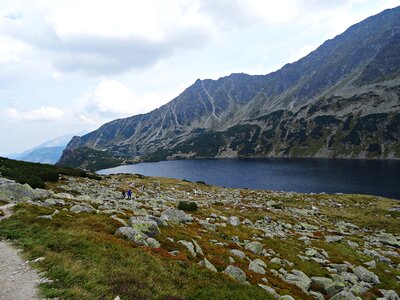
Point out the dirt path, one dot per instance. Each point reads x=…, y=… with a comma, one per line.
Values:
x=17, y=280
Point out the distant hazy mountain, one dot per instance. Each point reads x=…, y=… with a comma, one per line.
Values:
x=341, y=100
x=48, y=152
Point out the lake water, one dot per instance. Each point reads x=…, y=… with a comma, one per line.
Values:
x=374, y=177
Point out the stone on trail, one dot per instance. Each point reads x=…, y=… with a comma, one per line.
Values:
x=235, y=273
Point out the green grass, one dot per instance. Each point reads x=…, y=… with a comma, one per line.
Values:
x=86, y=261
x=36, y=174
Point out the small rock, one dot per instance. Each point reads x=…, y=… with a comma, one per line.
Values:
x=189, y=246
x=299, y=279
x=238, y=253
x=175, y=216
x=197, y=248
x=326, y=285
x=235, y=273
x=269, y=290
x=371, y=264
x=366, y=275
x=352, y=244
x=208, y=265
x=145, y=225
x=255, y=247
x=132, y=235
x=257, y=266
x=333, y=238
x=276, y=260
x=344, y=295
x=78, y=208
x=234, y=221
x=389, y=294
x=153, y=243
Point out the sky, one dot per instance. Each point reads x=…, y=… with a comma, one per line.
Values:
x=70, y=66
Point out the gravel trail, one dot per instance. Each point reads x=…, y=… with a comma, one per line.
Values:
x=17, y=280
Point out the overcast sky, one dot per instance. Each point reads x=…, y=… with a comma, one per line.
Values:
x=69, y=66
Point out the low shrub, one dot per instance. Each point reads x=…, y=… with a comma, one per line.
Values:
x=187, y=206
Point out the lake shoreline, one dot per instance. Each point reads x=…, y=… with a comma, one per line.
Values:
x=308, y=175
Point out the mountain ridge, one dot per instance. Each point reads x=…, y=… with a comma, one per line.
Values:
x=354, y=63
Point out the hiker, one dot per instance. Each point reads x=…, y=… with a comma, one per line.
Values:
x=123, y=194
x=129, y=194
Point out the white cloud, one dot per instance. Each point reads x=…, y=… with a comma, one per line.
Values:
x=108, y=37
x=111, y=99
x=41, y=114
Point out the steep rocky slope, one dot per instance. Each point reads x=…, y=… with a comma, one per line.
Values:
x=360, y=64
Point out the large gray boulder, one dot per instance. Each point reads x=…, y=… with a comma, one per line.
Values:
x=366, y=275
x=299, y=279
x=145, y=225
x=132, y=235
x=235, y=273
x=15, y=192
x=175, y=216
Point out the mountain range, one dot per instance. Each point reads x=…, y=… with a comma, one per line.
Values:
x=339, y=101
x=48, y=152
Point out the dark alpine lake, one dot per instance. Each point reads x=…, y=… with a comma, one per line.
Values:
x=374, y=177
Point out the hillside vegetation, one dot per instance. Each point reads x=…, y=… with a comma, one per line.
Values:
x=36, y=174
x=91, y=243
